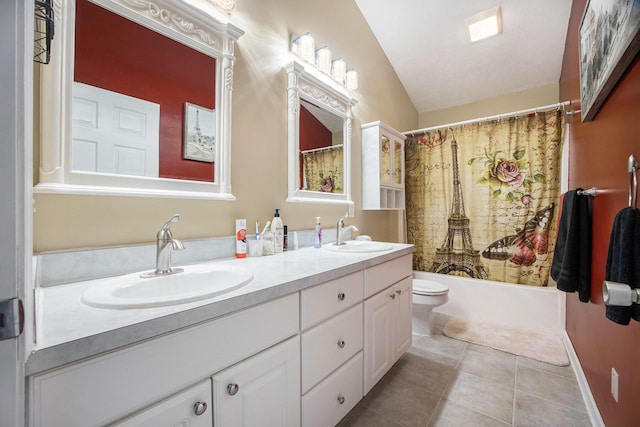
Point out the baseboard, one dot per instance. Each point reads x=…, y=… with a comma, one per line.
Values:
x=592, y=408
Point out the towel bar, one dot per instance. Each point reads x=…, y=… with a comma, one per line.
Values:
x=632, y=167
x=619, y=294
x=590, y=192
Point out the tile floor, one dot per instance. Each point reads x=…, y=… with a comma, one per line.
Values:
x=445, y=382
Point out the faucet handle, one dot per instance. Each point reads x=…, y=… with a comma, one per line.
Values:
x=344, y=216
x=175, y=218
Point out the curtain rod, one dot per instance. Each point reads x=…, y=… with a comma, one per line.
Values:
x=331, y=147
x=560, y=105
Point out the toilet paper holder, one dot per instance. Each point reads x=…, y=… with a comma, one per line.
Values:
x=619, y=294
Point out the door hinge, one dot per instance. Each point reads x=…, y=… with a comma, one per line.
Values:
x=11, y=318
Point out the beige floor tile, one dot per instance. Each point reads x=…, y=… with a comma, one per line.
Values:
x=532, y=411
x=489, y=364
x=441, y=345
x=551, y=387
x=402, y=402
x=565, y=371
x=482, y=395
x=364, y=417
x=450, y=414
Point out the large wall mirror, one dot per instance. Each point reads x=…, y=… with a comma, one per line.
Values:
x=137, y=99
x=319, y=120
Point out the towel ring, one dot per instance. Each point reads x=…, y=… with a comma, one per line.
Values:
x=632, y=166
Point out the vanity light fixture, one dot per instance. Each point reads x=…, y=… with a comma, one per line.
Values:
x=339, y=70
x=304, y=47
x=351, y=79
x=323, y=59
x=485, y=24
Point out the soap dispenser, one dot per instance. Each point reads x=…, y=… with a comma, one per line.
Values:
x=317, y=234
x=277, y=228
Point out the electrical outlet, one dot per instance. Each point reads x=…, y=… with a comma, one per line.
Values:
x=614, y=384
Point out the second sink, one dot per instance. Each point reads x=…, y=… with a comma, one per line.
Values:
x=359, y=246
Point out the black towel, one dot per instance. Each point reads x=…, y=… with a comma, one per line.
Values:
x=623, y=261
x=571, y=268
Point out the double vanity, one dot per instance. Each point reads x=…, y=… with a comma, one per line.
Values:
x=299, y=343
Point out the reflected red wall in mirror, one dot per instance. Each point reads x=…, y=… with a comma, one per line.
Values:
x=116, y=54
x=313, y=134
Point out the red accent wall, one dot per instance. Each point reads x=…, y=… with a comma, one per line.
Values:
x=116, y=54
x=598, y=153
x=313, y=134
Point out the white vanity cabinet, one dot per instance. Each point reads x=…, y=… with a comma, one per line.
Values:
x=387, y=317
x=260, y=391
x=191, y=407
x=382, y=167
x=107, y=388
x=331, y=349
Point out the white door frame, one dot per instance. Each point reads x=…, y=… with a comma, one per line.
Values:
x=16, y=157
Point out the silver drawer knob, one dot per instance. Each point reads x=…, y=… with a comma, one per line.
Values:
x=200, y=408
x=232, y=389
x=340, y=399
x=341, y=296
x=392, y=296
x=341, y=343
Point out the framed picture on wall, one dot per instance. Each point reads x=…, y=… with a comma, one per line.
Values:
x=609, y=41
x=199, y=133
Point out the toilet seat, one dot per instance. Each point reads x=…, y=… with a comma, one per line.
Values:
x=428, y=287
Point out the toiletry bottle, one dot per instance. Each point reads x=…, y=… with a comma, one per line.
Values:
x=241, y=238
x=285, y=241
x=278, y=231
x=317, y=234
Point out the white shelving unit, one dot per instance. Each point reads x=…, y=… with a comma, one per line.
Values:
x=382, y=167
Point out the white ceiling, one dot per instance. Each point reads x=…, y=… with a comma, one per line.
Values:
x=427, y=43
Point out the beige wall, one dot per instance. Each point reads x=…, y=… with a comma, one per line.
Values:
x=524, y=100
x=259, y=139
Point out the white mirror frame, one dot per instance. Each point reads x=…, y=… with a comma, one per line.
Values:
x=200, y=27
x=306, y=82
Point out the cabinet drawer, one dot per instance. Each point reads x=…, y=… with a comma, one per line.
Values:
x=384, y=275
x=329, y=345
x=177, y=410
x=322, y=406
x=325, y=300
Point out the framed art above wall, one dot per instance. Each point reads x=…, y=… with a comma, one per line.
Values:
x=609, y=41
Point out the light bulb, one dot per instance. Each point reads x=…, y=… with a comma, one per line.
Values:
x=352, y=79
x=306, y=48
x=323, y=59
x=339, y=70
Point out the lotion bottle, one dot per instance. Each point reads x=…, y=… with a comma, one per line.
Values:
x=277, y=228
x=317, y=234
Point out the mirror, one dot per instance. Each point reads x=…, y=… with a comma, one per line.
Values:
x=319, y=120
x=121, y=114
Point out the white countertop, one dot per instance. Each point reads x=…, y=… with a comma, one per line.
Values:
x=68, y=330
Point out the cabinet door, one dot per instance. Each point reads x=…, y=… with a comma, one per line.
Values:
x=402, y=308
x=263, y=390
x=377, y=337
x=398, y=162
x=191, y=407
x=386, y=147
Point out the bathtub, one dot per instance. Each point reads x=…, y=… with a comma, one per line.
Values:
x=530, y=307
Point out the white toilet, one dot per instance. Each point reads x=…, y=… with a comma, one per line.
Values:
x=427, y=294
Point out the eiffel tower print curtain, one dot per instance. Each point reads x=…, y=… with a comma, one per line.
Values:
x=481, y=198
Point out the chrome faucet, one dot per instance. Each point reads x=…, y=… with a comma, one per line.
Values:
x=341, y=230
x=165, y=243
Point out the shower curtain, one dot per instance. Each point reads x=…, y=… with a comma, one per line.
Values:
x=323, y=170
x=481, y=198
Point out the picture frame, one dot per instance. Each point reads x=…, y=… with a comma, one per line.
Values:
x=609, y=41
x=199, y=133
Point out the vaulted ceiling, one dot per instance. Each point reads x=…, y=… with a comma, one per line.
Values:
x=426, y=41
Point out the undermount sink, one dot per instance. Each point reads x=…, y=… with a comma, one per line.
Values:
x=197, y=282
x=355, y=246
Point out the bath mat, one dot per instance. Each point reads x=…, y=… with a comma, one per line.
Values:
x=533, y=344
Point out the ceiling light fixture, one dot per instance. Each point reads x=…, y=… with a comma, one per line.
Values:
x=485, y=24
